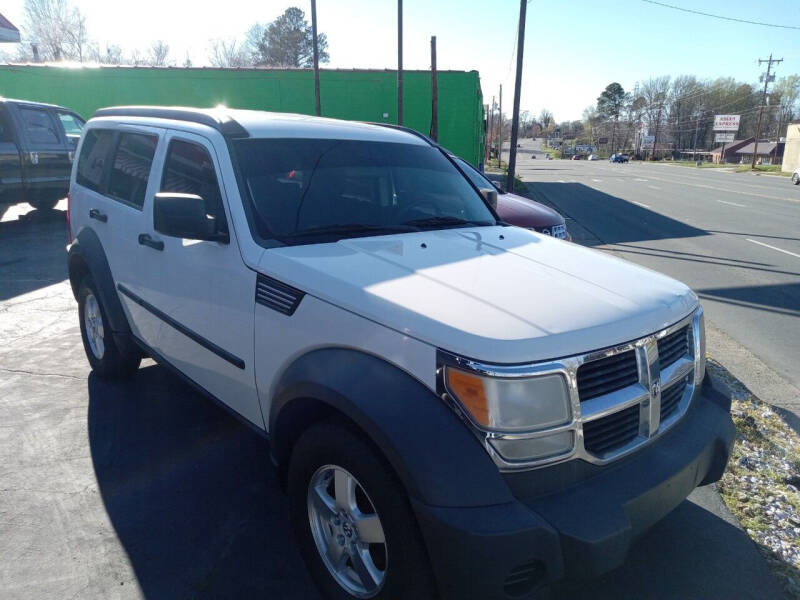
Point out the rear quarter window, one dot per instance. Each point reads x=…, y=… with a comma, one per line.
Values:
x=96, y=150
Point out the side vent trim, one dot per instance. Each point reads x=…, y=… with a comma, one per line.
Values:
x=277, y=295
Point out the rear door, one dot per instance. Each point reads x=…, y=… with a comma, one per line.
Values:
x=10, y=166
x=112, y=179
x=71, y=127
x=46, y=164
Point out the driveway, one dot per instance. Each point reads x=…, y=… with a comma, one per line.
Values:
x=147, y=490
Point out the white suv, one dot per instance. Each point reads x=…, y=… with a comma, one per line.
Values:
x=459, y=408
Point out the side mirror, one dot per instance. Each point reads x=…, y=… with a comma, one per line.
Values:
x=184, y=216
x=490, y=196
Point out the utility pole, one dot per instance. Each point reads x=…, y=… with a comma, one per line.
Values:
x=434, y=93
x=769, y=62
x=490, y=136
x=696, y=127
x=512, y=149
x=399, y=62
x=500, y=129
x=317, y=107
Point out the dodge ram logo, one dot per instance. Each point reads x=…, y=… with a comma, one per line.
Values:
x=655, y=389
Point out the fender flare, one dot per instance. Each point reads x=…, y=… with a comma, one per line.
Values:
x=86, y=254
x=438, y=460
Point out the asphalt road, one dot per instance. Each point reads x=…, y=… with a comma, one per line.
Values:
x=732, y=237
x=145, y=489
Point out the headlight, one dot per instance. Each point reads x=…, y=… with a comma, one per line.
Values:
x=518, y=414
x=699, y=327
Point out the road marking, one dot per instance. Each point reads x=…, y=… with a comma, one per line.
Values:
x=643, y=205
x=732, y=203
x=598, y=180
x=653, y=187
x=640, y=179
x=561, y=181
x=773, y=247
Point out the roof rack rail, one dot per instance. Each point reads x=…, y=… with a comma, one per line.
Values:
x=406, y=129
x=215, y=118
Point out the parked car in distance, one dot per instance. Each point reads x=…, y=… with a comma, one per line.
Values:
x=618, y=158
x=577, y=157
x=518, y=210
x=458, y=408
x=37, y=146
x=796, y=177
x=593, y=157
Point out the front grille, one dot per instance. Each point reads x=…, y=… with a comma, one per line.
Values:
x=611, y=432
x=606, y=375
x=671, y=396
x=673, y=346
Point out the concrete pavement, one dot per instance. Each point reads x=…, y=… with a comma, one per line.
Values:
x=145, y=489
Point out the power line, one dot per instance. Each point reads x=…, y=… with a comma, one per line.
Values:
x=705, y=14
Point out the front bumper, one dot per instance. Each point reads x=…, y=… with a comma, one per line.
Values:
x=574, y=520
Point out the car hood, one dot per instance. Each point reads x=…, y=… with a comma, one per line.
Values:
x=496, y=294
x=523, y=212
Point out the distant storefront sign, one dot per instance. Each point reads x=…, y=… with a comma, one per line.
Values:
x=602, y=141
x=725, y=138
x=648, y=141
x=726, y=123
x=584, y=148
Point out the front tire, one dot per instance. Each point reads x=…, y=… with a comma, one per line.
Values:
x=796, y=179
x=105, y=357
x=352, y=520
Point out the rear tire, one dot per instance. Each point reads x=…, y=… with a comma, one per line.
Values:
x=105, y=357
x=44, y=203
x=329, y=457
x=796, y=179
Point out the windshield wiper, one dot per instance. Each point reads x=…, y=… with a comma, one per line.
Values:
x=445, y=221
x=355, y=228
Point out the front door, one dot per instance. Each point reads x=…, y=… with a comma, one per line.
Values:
x=196, y=298
x=10, y=168
x=46, y=161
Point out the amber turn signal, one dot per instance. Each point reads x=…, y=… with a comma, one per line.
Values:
x=469, y=391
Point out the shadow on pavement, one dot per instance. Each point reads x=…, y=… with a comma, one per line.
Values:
x=781, y=298
x=196, y=504
x=620, y=221
x=32, y=252
x=191, y=493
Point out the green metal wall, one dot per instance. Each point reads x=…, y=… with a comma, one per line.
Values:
x=357, y=95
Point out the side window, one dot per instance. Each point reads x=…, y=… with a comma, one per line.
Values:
x=39, y=126
x=6, y=134
x=96, y=150
x=131, y=168
x=189, y=169
x=72, y=124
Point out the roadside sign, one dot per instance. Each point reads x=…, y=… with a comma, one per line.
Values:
x=602, y=141
x=648, y=141
x=726, y=123
x=725, y=138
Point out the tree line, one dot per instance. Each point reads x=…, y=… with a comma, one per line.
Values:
x=55, y=31
x=679, y=112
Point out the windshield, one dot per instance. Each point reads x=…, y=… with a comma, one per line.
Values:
x=310, y=190
x=477, y=179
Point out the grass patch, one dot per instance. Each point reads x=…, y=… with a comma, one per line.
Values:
x=703, y=165
x=761, y=483
x=773, y=169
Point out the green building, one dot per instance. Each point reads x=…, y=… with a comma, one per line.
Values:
x=363, y=95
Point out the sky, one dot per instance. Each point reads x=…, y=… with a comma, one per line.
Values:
x=572, y=49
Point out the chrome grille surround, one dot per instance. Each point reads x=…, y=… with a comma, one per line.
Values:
x=646, y=394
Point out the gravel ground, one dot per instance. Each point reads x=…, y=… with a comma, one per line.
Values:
x=761, y=484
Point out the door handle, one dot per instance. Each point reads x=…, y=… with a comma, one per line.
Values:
x=146, y=240
x=96, y=214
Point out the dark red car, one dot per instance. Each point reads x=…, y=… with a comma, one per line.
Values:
x=518, y=210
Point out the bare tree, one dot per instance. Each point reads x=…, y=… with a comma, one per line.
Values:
x=546, y=118
x=57, y=28
x=229, y=53
x=110, y=55
x=158, y=53
x=655, y=93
